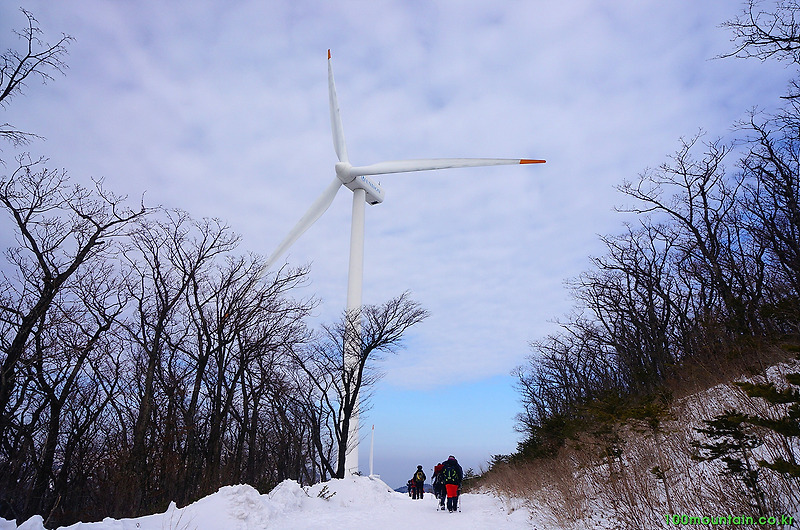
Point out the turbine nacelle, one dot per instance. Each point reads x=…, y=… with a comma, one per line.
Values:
x=353, y=180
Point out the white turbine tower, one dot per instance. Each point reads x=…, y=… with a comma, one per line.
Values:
x=365, y=190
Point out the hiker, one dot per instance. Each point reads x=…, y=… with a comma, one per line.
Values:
x=412, y=488
x=452, y=475
x=438, y=485
x=419, y=482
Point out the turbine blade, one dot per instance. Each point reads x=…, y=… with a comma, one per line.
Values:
x=425, y=164
x=316, y=210
x=336, y=119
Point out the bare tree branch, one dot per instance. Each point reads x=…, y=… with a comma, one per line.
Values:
x=35, y=59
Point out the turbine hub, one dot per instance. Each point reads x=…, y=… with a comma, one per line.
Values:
x=353, y=181
x=343, y=172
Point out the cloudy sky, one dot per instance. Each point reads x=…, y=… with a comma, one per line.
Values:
x=219, y=107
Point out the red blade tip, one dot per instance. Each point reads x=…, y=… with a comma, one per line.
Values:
x=529, y=161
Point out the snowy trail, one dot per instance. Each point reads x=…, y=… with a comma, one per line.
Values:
x=400, y=511
x=353, y=503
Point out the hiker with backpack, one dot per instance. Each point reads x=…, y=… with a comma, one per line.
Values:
x=452, y=475
x=411, y=488
x=438, y=485
x=419, y=482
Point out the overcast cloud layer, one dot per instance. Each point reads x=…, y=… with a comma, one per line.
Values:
x=220, y=108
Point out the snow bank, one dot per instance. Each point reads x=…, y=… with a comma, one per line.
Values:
x=352, y=503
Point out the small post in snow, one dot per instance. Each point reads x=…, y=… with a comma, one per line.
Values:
x=371, y=452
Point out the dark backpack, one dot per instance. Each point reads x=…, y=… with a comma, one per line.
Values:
x=420, y=476
x=450, y=474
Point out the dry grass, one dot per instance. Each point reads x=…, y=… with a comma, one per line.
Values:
x=579, y=489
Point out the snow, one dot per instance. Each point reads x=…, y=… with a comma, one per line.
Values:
x=352, y=503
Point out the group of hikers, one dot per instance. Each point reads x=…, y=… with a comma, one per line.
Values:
x=447, y=477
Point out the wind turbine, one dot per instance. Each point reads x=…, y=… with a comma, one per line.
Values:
x=365, y=190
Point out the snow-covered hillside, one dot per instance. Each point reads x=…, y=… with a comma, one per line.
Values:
x=352, y=503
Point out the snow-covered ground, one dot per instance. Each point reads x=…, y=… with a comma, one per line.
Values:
x=352, y=503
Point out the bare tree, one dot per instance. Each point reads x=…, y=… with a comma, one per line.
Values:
x=36, y=59
x=771, y=168
x=342, y=386
x=768, y=34
x=772, y=200
x=58, y=301
x=60, y=229
x=567, y=369
x=244, y=328
x=636, y=302
x=164, y=256
x=703, y=204
x=74, y=338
